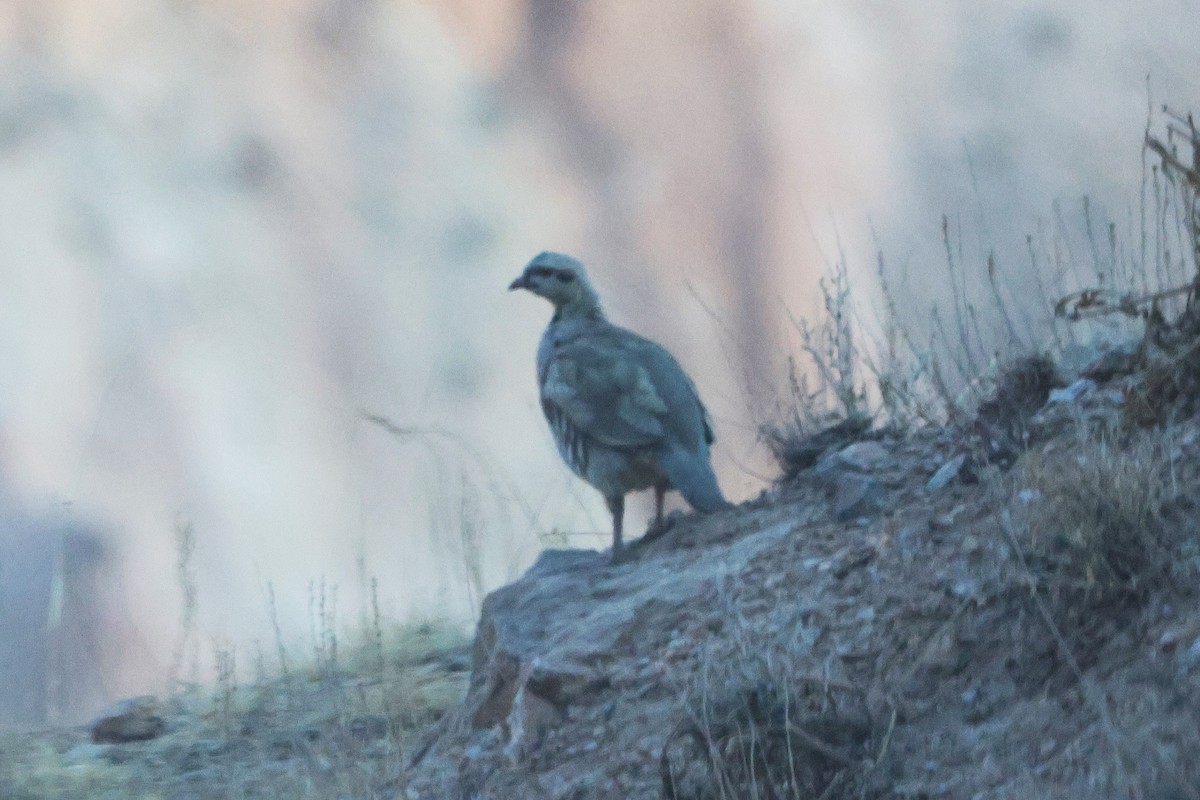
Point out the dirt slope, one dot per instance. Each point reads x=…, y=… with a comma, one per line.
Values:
x=1019, y=633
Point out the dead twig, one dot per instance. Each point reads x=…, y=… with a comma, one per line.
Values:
x=1169, y=158
x=1091, y=303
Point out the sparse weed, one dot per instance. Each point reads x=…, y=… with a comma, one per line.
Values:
x=1081, y=266
x=825, y=397
x=281, y=652
x=473, y=496
x=322, y=626
x=224, y=699
x=185, y=545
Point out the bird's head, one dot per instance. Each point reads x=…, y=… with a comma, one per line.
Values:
x=561, y=280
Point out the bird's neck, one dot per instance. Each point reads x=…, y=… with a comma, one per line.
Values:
x=585, y=306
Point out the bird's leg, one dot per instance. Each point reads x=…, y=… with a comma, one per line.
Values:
x=616, y=506
x=657, y=527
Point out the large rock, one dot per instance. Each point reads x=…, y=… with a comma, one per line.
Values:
x=861, y=456
x=856, y=495
x=550, y=644
x=132, y=720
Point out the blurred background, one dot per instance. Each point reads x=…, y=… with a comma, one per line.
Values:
x=230, y=231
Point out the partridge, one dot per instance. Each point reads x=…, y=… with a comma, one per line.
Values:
x=623, y=413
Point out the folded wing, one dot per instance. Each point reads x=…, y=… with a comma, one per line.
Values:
x=624, y=390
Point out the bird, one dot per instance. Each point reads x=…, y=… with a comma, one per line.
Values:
x=623, y=413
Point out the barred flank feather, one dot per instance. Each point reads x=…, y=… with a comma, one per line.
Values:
x=572, y=445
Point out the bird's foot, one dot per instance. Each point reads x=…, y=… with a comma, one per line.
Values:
x=659, y=527
x=621, y=555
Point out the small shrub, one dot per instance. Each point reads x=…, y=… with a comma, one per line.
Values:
x=1002, y=422
x=825, y=402
x=796, y=446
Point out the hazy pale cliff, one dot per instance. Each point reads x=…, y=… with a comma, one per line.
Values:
x=231, y=229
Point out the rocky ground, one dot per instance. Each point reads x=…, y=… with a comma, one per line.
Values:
x=1001, y=610
x=1004, y=607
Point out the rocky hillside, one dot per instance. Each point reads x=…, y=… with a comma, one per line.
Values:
x=1002, y=609
x=999, y=608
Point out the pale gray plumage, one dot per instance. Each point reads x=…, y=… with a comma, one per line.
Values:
x=624, y=414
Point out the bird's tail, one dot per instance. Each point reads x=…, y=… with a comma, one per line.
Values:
x=693, y=476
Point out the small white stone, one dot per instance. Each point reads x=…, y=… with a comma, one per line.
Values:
x=946, y=473
x=1074, y=392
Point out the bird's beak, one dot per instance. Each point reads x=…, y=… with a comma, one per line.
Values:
x=519, y=283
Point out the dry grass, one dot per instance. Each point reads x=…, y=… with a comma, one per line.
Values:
x=1104, y=536
x=758, y=724
x=337, y=719
x=766, y=739
x=32, y=769
x=1095, y=525
x=339, y=724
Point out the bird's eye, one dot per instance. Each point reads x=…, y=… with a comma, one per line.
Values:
x=540, y=272
x=565, y=276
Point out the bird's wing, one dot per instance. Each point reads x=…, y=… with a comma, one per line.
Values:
x=710, y=436
x=688, y=423
x=606, y=390
x=705, y=418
